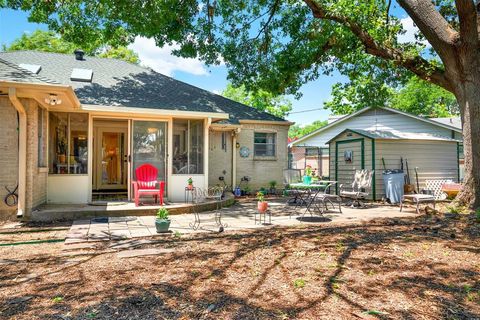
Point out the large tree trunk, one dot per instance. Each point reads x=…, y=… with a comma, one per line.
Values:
x=468, y=97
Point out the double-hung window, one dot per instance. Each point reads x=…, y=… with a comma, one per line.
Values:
x=264, y=144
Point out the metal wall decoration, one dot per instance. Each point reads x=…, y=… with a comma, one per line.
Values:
x=348, y=156
x=244, y=152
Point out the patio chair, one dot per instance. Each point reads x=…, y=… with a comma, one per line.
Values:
x=291, y=176
x=360, y=188
x=213, y=193
x=147, y=183
x=321, y=199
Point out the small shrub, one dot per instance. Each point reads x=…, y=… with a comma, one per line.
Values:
x=299, y=283
x=177, y=234
x=162, y=213
x=260, y=196
x=273, y=184
x=57, y=299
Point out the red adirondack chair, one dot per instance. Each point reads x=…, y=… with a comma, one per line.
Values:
x=147, y=183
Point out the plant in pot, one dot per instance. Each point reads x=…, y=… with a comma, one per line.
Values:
x=190, y=183
x=162, y=222
x=262, y=205
x=62, y=151
x=273, y=187
x=307, y=178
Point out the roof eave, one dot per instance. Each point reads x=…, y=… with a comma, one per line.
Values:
x=151, y=111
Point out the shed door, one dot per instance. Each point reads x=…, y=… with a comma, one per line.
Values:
x=350, y=156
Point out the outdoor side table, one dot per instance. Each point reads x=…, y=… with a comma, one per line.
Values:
x=417, y=199
x=189, y=194
x=264, y=214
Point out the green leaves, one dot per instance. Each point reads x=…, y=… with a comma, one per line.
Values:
x=49, y=41
x=260, y=99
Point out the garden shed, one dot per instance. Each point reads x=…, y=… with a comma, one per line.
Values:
x=435, y=156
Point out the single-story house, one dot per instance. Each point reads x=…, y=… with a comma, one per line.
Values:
x=432, y=145
x=75, y=126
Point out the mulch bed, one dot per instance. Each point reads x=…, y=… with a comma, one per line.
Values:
x=422, y=268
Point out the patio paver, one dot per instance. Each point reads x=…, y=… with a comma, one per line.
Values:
x=237, y=217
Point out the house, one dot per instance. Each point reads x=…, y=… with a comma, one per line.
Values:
x=74, y=126
x=373, y=134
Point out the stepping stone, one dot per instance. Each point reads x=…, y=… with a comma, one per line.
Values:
x=120, y=234
x=143, y=232
x=142, y=252
x=129, y=244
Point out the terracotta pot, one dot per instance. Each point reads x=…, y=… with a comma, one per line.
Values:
x=190, y=186
x=62, y=158
x=262, y=206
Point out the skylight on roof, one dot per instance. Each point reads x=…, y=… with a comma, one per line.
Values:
x=83, y=75
x=33, y=68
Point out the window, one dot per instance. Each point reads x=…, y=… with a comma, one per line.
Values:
x=264, y=144
x=188, y=146
x=68, y=146
x=309, y=152
x=42, y=145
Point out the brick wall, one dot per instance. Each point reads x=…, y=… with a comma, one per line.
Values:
x=8, y=154
x=262, y=170
x=36, y=177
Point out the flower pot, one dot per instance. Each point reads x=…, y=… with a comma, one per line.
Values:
x=162, y=225
x=262, y=206
x=307, y=179
x=62, y=158
x=190, y=186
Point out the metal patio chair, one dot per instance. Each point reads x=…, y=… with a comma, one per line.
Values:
x=360, y=187
x=321, y=199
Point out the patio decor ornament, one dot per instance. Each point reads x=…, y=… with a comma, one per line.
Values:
x=162, y=222
x=53, y=99
x=262, y=205
x=190, y=183
x=307, y=178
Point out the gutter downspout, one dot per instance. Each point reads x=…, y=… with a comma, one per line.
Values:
x=22, y=150
x=234, y=158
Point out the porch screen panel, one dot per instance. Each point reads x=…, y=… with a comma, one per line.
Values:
x=188, y=146
x=68, y=143
x=149, y=146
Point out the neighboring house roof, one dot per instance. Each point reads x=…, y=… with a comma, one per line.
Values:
x=395, y=135
x=453, y=121
x=12, y=72
x=346, y=117
x=119, y=83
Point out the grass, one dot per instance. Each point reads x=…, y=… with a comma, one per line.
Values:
x=299, y=283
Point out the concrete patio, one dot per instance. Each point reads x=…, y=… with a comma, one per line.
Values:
x=237, y=217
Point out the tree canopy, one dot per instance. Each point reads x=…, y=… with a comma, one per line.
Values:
x=297, y=131
x=49, y=41
x=260, y=99
x=278, y=46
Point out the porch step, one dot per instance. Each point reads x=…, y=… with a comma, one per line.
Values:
x=68, y=212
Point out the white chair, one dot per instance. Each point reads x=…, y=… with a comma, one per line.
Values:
x=360, y=189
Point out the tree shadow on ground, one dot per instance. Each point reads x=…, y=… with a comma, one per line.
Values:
x=325, y=272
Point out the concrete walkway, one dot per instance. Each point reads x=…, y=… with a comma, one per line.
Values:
x=237, y=217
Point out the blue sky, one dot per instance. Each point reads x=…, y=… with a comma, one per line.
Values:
x=14, y=23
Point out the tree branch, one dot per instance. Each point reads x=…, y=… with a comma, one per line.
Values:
x=467, y=15
x=419, y=66
x=272, y=13
x=433, y=26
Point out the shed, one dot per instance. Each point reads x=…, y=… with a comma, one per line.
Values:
x=436, y=157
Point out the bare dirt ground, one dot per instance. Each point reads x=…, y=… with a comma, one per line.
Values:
x=419, y=268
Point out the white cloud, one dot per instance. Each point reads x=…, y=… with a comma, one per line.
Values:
x=217, y=91
x=162, y=60
x=411, y=29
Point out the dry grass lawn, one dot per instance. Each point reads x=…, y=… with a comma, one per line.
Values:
x=422, y=268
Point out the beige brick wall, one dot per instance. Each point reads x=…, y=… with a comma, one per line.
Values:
x=262, y=171
x=36, y=178
x=8, y=154
x=219, y=160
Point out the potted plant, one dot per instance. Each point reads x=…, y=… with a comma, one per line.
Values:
x=62, y=151
x=162, y=222
x=190, y=183
x=273, y=187
x=307, y=178
x=262, y=205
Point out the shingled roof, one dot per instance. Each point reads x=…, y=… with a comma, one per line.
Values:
x=119, y=83
x=12, y=72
